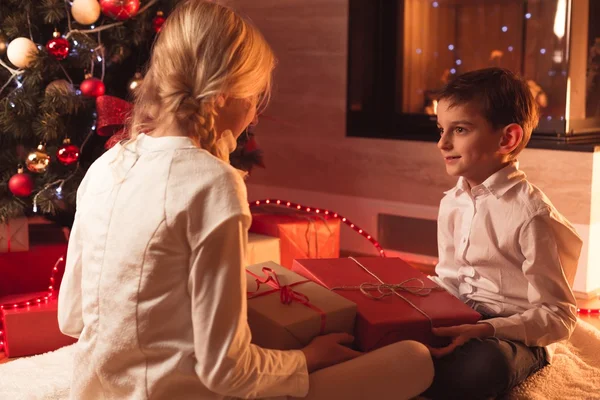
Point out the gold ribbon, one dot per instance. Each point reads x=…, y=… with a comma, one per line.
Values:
x=389, y=289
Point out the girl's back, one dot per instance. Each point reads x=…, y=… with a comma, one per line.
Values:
x=140, y=210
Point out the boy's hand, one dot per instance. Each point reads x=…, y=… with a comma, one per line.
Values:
x=460, y=335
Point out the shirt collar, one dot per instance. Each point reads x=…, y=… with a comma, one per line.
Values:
x=149, y=143
x=498, y=183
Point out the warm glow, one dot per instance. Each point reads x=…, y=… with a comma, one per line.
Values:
x=560, y=18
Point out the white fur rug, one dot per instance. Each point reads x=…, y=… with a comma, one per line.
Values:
x=573, y=375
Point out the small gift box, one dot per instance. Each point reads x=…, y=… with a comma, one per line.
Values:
x=262, y=248
x=301, y=235
x=30, y=271
x=395, y=301
x=286, y=311
x=32, y=329
x=14, y=235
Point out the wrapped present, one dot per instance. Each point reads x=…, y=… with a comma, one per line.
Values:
x=14, y=235
x=301, y=235
x=30, y=271
x=262, y=248
x=395, y=301
x=33, y=329
x=286, y=311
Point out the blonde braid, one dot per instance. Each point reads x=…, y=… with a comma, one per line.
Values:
x=205, y=130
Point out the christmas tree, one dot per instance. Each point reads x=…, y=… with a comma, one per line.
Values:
x=64, y=65
x=57, y=59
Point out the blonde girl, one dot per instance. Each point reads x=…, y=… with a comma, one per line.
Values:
x=155, y=285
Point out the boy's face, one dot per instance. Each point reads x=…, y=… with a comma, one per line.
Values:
x=468, y=142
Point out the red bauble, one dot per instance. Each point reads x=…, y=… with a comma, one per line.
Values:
x=58, y=47
x=158, y=21
x=20, y=184
x=120, y=9
x=68, y=153
x=92, y=87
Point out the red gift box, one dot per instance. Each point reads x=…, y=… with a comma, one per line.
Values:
x=390, y=318
x=32, y=329
x=301, y=235
x=30, y=271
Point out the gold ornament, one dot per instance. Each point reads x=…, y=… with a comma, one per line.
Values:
x=59, y=87
x=38, y=160
x=3, y=43
x=135, y=83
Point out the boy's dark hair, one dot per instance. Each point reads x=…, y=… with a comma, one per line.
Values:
x=502, y=97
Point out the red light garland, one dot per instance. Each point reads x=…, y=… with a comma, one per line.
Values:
x=314, y=210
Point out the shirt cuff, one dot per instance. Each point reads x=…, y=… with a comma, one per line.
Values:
x=301, y=374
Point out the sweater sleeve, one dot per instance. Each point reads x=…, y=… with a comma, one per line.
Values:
x=227, y=363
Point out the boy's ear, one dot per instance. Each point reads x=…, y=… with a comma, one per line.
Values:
x=512, y=135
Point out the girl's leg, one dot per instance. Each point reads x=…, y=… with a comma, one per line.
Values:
x=401, y=371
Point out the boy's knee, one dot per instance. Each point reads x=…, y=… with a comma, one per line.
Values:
x=488, y=369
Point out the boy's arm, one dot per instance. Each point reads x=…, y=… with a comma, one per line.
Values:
x=551, y=249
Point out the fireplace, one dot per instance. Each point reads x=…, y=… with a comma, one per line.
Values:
x=401, y=51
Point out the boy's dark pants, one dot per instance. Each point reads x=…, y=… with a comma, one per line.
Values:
x=484, y=368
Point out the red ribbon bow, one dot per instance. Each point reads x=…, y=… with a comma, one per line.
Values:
x=286, y=294
x=113, y=113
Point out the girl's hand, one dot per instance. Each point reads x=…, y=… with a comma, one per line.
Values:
x=327, y=350
x=460, y=335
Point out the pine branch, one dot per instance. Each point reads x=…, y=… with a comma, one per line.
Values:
x=15, y=25
x=84, y=49
x=53, y=11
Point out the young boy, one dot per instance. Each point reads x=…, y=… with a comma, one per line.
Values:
x=503, y=247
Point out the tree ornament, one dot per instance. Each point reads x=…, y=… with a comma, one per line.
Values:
x=21, y=52
x=86, y=12
x=58, y=47
x=120, y=9
x=3, y=43
x=158, y=21
x=38, y=160
x=59, y=87
x=92, y=87
x=135, y=83
x=68, y=153
x=20, y=184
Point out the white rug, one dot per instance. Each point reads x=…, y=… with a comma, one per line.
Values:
x=573, y=375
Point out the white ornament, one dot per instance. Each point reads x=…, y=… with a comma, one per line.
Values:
x=21, y=52
x=86, y=12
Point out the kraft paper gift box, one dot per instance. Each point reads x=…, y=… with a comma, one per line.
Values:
x=262, y=248
x=288, y=311
x=33, y=329
x=302, y=235
x=14, y=235
x=392, y=318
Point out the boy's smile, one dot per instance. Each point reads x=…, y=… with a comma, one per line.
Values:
x=468, y=142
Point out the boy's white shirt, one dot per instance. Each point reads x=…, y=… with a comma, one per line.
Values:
x=508, y=253
x=154, y=286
